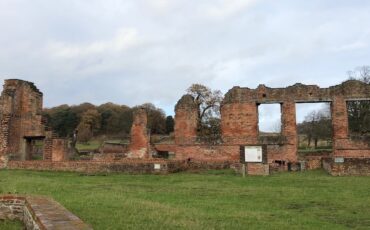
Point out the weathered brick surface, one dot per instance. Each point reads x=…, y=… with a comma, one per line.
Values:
x=59, y=151
x=21, y=121
x=208, y=153
x=313, y=162
x=239, y=123
x=186, y=121
x=125, y=165
x=350, y=166
x=20, y=116
x=257, y=169
x=11, y=207
x=139, y=146
x=289, y=130
x=21, y=103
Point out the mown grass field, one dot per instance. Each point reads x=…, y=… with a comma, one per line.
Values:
x=10, y=225
x=208, y=200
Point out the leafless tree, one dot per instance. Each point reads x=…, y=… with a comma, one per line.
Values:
x=359, y=111
x=208, y=102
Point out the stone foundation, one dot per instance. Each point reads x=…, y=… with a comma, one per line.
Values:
x=38, y=213
x=349, y=166
x=134, y=166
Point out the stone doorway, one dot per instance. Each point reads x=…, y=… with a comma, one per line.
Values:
x=33, y=147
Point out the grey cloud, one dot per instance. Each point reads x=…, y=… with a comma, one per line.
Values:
x=137, y=51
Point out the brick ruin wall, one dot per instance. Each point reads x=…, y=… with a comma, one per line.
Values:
x=349, y=166
x=239, y=123
x=139, y=144
x=21, y=122
x=21, y=104
x=20, y=114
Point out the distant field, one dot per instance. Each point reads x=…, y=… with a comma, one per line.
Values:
x=91, y=145
x=209, y=200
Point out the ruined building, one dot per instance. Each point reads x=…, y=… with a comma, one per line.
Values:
x=21, y=123
x=239, y=123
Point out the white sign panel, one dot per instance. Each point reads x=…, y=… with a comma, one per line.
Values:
x=339, y=160
x=253, y=153
x=157, y=166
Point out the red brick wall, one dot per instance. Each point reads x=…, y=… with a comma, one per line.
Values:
x=343, y=145
x=289, y=130
x=59, y=150
x=186, y=121
x=208, y=153
x=126, y=165
x=239, y=123
x=350, y=166
x=20, y=109
x=139, y=146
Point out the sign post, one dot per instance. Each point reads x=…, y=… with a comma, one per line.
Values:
x=250, y=154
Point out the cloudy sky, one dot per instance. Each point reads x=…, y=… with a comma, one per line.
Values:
x=136, y=51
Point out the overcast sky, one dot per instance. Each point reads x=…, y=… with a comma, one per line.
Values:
x=136, y=51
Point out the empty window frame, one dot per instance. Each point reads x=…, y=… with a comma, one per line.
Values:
x=269, y=119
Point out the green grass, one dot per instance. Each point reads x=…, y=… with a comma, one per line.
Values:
x=209, y=200
x=90, y=145
x=11, y=225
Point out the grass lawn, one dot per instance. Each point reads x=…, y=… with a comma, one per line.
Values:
x=91, y=145
x=209, y=200
x=11, y=225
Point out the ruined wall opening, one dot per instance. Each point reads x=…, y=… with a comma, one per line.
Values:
x=269, y=119
x=314, y=127
x=34, y=147
x=358, y=112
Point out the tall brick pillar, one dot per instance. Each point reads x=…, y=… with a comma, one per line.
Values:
x=139, y=146
x=289, y=130
x=186, y=121
x=239, y=123
x=339, y=121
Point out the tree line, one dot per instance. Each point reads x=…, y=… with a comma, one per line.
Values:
x=107, y=119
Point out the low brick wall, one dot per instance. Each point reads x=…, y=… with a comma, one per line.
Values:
x=39, y=213
x=350, y=166
x=207, y=165
x=313, y=162
x=256, y=169
x=128, y=166
x=11, y=207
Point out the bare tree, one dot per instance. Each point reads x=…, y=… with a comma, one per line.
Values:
x=361, y=73
x=359, y=111
x=208, y=103
x=316, y=126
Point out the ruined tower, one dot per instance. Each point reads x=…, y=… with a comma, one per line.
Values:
x=20, y=118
